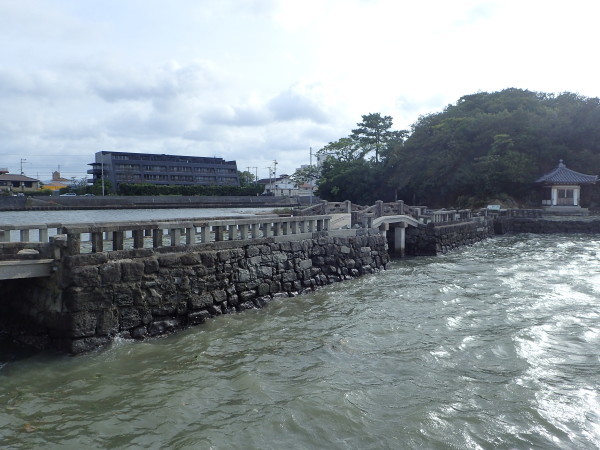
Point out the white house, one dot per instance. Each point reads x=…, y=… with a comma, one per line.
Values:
x=282, y=186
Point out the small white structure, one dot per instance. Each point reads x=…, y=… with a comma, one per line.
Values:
x=280, y=186
x=562, y=189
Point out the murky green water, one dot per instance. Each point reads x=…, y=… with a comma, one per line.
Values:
x=493, y=346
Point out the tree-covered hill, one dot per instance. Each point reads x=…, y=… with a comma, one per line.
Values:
x=486, y=146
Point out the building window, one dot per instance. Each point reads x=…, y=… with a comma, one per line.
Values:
x=182, y=178
x=151, y=168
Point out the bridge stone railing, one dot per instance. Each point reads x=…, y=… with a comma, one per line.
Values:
x=97, y=237
x=362, y=215
x=450, y=215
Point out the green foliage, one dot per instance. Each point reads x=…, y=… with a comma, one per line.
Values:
x=154, y=189
x=307, y=174
x=246, y=178
x=487, y=145
x=495, y=144
x=374, y=134
x=347, y=171
x=344, y=149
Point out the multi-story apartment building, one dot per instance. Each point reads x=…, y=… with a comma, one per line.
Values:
x=123, y=167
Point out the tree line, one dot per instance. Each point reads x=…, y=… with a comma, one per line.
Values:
x=486, y=146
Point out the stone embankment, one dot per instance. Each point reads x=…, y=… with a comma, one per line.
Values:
x=37, y=203
x=435, y=239
x=588, y=225
x=92, y=298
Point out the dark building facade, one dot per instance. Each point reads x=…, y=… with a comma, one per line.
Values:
x=136, y=168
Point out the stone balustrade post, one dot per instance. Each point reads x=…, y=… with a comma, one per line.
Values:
x=294, y=227
x=324, y=207
x=205, y=234
x=175, y=234
x=268, y=229
x=219, y=232
x=97, y=242
x=157, y=238
x=118, y=240
x=24, y=235
x=244, y=231
x=4, y=235
x=255, y=228
x=43, y=234
x=73, y=244
x=232, y=232
x=138, y=238
x=400, y=206
x=190, y=235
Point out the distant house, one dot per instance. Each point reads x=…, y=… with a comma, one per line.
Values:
x=17, y=183
x=562, y=189
x=280, y=186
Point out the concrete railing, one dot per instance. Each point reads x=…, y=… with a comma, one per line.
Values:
x=98, y=237
x=451, y=215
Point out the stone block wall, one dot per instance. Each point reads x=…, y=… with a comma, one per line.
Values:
x=588, y=225
x=147, y=292
x=435, y=238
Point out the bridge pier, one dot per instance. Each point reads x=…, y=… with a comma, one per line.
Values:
x=400, y=239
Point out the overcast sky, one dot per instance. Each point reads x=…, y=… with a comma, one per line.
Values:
x=262, y=80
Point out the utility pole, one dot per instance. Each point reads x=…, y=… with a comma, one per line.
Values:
x=256, y=173
x=311, y=181
x=270, y=177
x=102, y=172
x=22, y=161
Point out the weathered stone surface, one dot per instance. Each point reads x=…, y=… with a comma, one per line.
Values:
x=78, y=346
x=151, y=265
x=132, y=270
x=153, y=292
x=82, y=324
x=85, y=276
x=190, y=259
x=163, y=326
x=110, y=273
x=169, y=260
x=82, y=299
x=107, y=324
x=198, y=317
x=199, y=301
x=263, y=289
x=130, y=318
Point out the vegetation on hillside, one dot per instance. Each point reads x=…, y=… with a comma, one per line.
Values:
x=486, y=146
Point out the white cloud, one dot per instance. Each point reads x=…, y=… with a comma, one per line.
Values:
x=261, y=80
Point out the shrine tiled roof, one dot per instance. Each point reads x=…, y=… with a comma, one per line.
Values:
x=562, y=175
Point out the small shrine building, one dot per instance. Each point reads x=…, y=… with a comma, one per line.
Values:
x=562, y=189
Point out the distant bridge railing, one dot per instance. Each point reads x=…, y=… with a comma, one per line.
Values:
x=362, y=214
x=97, y=237
x=511, y=212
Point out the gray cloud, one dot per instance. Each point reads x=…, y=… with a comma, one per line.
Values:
x=293, y=104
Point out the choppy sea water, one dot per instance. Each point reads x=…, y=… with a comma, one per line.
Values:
x=493, y=346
